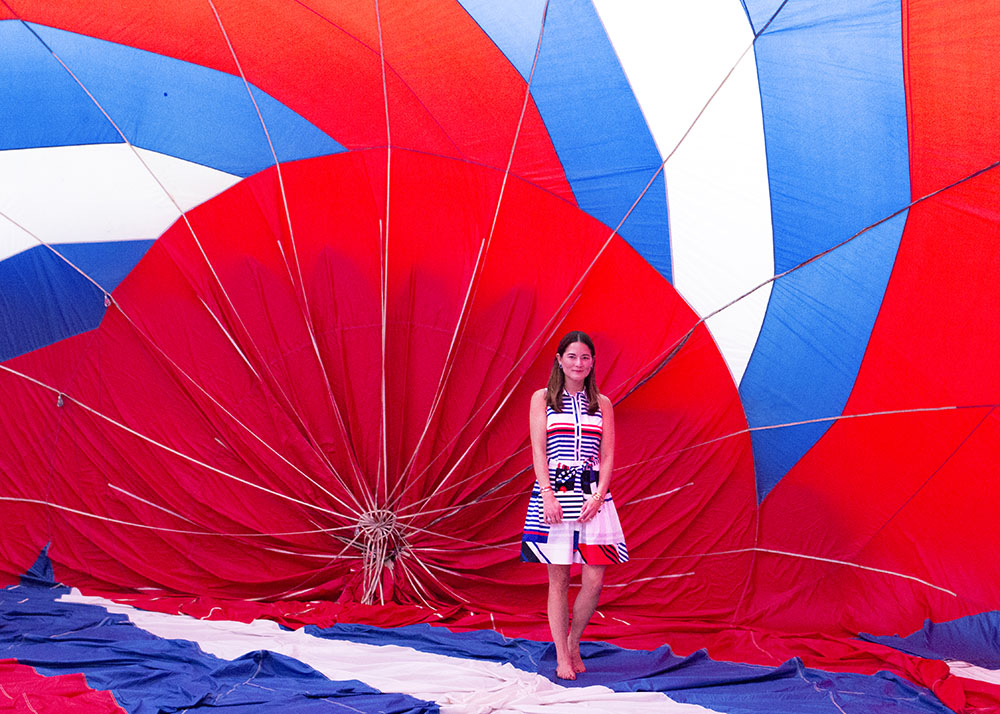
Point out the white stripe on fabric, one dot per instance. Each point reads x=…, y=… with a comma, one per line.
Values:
x=457, y=685
x=86, y=194
x=675, y=56
x=971, y=671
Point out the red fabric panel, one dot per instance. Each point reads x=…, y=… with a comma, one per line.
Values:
x=457, y=476
x=24, y=691
x=326, y=67
x=905, y=493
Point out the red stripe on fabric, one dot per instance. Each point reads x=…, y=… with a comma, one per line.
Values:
x=599, y=554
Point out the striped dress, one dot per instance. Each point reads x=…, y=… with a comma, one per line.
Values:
x=573, y=450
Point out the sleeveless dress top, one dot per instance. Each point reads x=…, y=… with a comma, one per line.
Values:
x=573, y=450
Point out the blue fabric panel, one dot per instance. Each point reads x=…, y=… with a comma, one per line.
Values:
x=41, y=574
x=811, y=346
x=40, y=104
x=974, y=639
x=513, y=25
x=149, y=675
x=592, y=117
x=697, y=679
x=44, y=300
x=159, y=103
x=760, y=11
x=833, y=101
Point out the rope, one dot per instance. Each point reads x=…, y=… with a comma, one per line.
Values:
x=818, y=420
x=545, y=335
x=614, y=233
x=671, y=576
x=168, y=449
x=383, y=463
x=477, y=270
x=109, y=299
x=661, y=361
x=381, y=545
x=788, y=554
x=307, y=315
x=179, y=531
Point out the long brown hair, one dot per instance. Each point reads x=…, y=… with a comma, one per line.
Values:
x=557, y=380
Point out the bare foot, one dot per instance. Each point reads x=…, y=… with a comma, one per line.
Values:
x=565, y=671
x=575, y=660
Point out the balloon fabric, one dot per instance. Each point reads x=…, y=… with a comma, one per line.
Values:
x=278, y=279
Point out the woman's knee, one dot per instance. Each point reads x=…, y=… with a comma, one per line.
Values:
x=559, y=576
x=593, y=576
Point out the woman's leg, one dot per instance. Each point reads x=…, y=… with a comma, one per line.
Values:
x=583, y=609
x=559, y=618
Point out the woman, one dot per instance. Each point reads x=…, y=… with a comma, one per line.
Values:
x=571, y=517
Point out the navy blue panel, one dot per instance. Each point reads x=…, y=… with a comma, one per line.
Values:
x=811, y=346
x=974, y=639
x=592, y=117
x=44, y=300
x=159, y=103
x=697, y=679
x=41, y=573
x=833, y=101
x=149, y=675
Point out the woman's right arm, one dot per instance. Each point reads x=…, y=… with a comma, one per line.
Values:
x=550, y=505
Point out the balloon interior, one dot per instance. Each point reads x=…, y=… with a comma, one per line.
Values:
x=279, y=278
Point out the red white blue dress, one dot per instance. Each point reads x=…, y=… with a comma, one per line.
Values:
x=573, y=450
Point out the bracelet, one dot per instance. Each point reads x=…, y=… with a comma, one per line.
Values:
x=543, y=489
x=597, y=497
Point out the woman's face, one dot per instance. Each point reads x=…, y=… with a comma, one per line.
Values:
x=576, y=361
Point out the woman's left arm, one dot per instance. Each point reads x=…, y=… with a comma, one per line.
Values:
x=594, y=503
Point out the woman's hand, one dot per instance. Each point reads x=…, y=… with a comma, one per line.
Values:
x=551, y=508
x=591, y=507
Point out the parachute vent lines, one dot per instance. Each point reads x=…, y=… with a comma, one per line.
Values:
x=381, y=541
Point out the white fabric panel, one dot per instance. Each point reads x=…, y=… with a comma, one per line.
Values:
x=100, y=192
x=971, y=671
x=675, y=56
x=459, y=686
